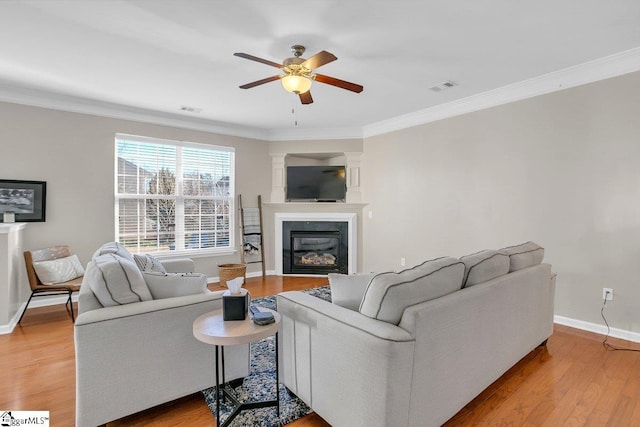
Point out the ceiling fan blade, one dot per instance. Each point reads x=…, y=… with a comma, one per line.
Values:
x=260, y=82
x=318, y=60
x=306, y=98
x=339, y=83
x=255, y=58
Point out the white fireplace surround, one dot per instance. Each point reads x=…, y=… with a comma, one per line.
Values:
x=349, y=218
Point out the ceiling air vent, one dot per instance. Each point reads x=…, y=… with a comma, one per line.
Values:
x=443, y=86
x=191, y=109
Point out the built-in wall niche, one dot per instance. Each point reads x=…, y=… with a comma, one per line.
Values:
x=350, y=160
x=315, y=179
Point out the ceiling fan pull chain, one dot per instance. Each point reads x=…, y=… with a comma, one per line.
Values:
x=293, y=111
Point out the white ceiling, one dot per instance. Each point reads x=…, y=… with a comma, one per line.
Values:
x=150, y=57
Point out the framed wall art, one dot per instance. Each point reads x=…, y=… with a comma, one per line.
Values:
x=25, y=199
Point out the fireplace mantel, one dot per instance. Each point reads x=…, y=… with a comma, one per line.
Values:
x=350, y=218
x=316, y=204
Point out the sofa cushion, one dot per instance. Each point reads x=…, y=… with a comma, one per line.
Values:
x=169, y=285
x=484, y=265
x=113, y=248
x=58, y=270
x=116, y=281
x=147, y=262
x=524, y=255
x=388, y=294
x=347, y=290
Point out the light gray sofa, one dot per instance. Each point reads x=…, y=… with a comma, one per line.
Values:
x=136, y=355
x=422, y=343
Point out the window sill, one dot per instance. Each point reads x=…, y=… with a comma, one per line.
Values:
x=194, y=254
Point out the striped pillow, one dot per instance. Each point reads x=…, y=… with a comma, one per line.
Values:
x=115, y=248
x=148, y=263
x=116, y=281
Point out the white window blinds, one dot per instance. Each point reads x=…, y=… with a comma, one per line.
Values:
x=173, y=196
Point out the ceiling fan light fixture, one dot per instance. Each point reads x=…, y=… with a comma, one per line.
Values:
x=296, y=84
x=298, y=73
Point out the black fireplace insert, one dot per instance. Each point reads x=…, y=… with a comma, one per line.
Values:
x=315, y=247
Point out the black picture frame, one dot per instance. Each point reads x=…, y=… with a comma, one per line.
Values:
x=27, y=199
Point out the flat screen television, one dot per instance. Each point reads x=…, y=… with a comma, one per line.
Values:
x=316, y=184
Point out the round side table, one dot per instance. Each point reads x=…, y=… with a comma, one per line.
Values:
x=210, y=328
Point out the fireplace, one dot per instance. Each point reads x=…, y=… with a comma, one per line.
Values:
x=315, y=247
x=321, y=264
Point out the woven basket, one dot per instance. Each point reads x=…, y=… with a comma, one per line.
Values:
x=231, y=271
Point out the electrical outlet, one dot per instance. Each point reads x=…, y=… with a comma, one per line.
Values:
x=402, y=262
x=607, y=294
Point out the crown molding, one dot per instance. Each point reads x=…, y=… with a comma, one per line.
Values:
x=18, y=94
x=603, y=68
x=302, y=134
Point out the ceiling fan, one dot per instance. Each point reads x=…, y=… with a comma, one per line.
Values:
x=299, y=73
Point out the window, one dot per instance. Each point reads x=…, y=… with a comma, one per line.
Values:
x=173, y=196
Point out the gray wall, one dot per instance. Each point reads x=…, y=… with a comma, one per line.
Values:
x=561, y=169
x=74, y=153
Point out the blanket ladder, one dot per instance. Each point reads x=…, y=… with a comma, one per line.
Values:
x=252, y=236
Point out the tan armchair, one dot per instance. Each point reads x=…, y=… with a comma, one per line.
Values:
x=38, y=288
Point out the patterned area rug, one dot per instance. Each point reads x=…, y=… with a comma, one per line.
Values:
x=260, y=384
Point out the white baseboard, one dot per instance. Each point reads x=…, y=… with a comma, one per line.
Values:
x=35, y=302
x=44, y=302
x=8, y=328
x=597, y=328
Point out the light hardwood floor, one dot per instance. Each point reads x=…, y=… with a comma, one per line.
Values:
x=574, y=381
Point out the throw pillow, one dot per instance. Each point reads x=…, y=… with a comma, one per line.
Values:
x=388, y=294
x=524, y=255
x=115, y=248
x=169, y=285
x=58, y=270
x=147, y=262
x=484, y=265
x=347, y=290
x=116, y=281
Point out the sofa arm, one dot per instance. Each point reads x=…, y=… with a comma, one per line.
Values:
x=298, y=303
x=351, y=369
x=178, y=265
x=146, y=307
x=132, y=357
